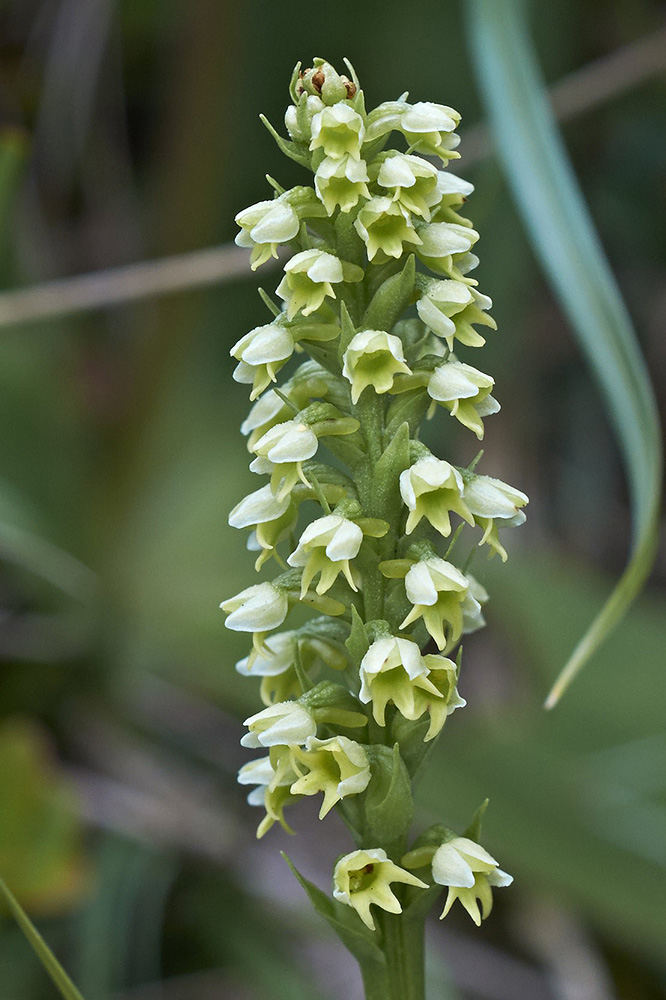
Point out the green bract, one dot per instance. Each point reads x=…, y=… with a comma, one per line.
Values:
x=353, y=697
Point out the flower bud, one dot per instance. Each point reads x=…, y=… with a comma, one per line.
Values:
x=324, y=81
x=298, y=120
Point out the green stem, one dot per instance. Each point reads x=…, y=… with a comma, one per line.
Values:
x=405, y=956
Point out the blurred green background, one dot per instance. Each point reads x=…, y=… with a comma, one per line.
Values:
x=129, y=131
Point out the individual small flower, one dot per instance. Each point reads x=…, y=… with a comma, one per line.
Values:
x=411, y=180
x=264, y=227
x=474, y=314
x=374, y=358
x=309, y=380
x=469, y=872
x=437, y=590
x=339, y=131
x=260, y=355
x=284, y=724
x=385, y=228
x=271, y=519
x=273, y=791
x=443, y=244
x=489, y=501
x=281, y=452
x=429, y=128
x=363, y=878
x=338, y=767
x=258, y=609
x=341, y=183
x=431, y=488
x=298, y=121
x=441, y=300
x=391, y=671
x=442, y=674
x=453, y=190
x=326, y=546
x=323, y=79
x=275, y=665
x=309, y=278
x=465, y=392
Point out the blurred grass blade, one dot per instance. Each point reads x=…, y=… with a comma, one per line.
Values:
x=63, y=571
x=13, y=153
x=51, y=964
x=563, y=235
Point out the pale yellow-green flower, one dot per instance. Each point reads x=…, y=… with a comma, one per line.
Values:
x=339, y=131
x=385, y=227
x=327, y=547
x=410, y=180
x=373, y=358
x=494, y=504
x=338, y=767
x=470, y=873
x=260, y=355
x=341, y=183
x=363, y=879
x=309, y=278
x=437, y=590
x=281, y=452
x=264, y=227
x=431, y=488
x=465, y=392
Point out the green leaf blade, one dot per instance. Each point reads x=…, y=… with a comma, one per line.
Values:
x=50, y=963
x=563, y=235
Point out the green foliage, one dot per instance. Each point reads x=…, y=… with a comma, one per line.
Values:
x=40, y=829
x=557, y=218
x=52, y=966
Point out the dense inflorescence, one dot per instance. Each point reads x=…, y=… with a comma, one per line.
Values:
x=365, y=534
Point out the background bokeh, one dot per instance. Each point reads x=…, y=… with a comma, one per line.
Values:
x=129, y=131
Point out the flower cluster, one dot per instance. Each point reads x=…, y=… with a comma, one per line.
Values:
x=354, y=698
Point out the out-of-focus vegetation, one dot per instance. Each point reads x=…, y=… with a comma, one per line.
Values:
x=129, y=131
